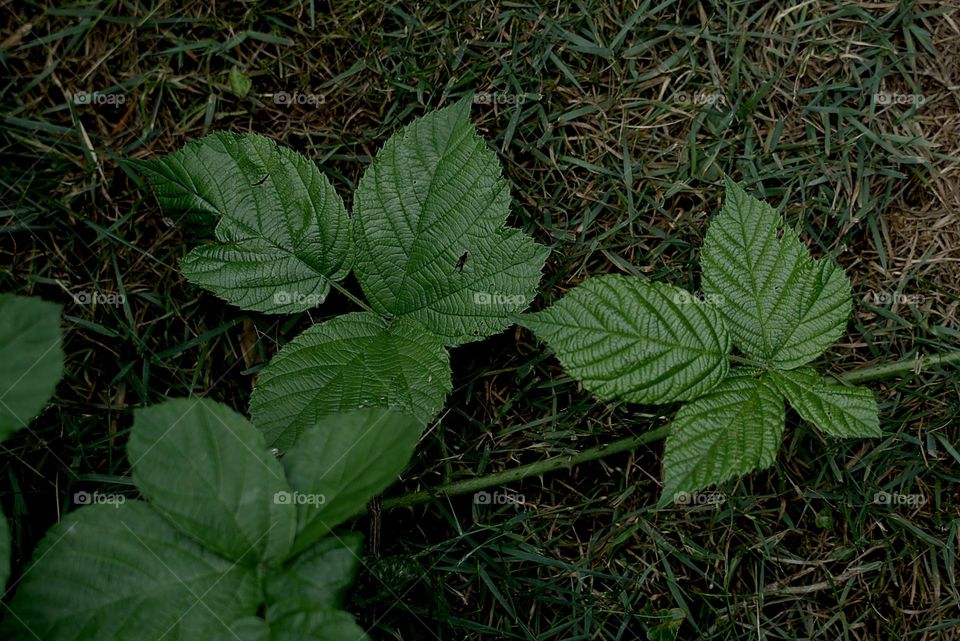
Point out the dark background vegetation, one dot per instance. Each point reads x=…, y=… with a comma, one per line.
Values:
x=613, y=122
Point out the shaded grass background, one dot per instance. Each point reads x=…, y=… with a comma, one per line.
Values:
x=613, y=122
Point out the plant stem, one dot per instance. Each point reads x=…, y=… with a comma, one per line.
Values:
x=632, y=442
x=923, y=363
x=343, y=290
x=524, y=471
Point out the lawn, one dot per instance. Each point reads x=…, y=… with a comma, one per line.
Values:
x=615, y=124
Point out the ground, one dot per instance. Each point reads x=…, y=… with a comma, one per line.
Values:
x=614, y=123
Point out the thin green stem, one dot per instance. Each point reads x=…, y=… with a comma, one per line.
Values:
x=343, y=290
x=524, y=471
x=632, y=442
x=917, y=364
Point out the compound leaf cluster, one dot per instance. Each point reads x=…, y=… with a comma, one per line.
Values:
x=626, y=338
x=223, y=547
x=426, y=240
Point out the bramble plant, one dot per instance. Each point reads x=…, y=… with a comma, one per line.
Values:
x=625, y=338
x=231, y=543
x=31, y=350
x=426, y=241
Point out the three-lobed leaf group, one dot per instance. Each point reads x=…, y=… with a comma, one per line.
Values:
x=426, y=240
x=626, y=338
x=230, y=542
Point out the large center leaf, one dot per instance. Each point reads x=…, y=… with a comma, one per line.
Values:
x=780, y=305
x=283, y=232
x=351, y=361
x=626, y=338
x=429, y=218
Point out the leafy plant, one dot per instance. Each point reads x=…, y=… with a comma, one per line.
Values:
x=31, y=351
x=426, y=241
x=626, y=338
x=231, y=543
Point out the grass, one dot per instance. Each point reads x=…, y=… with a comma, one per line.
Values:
x=613, y=122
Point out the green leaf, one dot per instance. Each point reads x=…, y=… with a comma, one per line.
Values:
x=351, y=361
x=626, y=338
x=300, y=624
x=124, y=574
x=781, y=306
x=205, y=468
x=32, y=357
x=429, y=217
x=837, y=410
x=4, y=553
x=240, y=84
x=347, y=460
x=316, y=625
x=734, y=429
x=283, y=233
x=321, y=575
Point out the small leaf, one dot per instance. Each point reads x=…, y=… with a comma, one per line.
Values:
x=352, y=361
x=837, y=410
x=205, y=468
x=781, y=306
x=240, y=84
x=124, y=574
x=734, y=429
x=321, y=575
x=32, y=358
x=347, y=460
x=626, y=338
x=283, y=234
x=433, y=195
